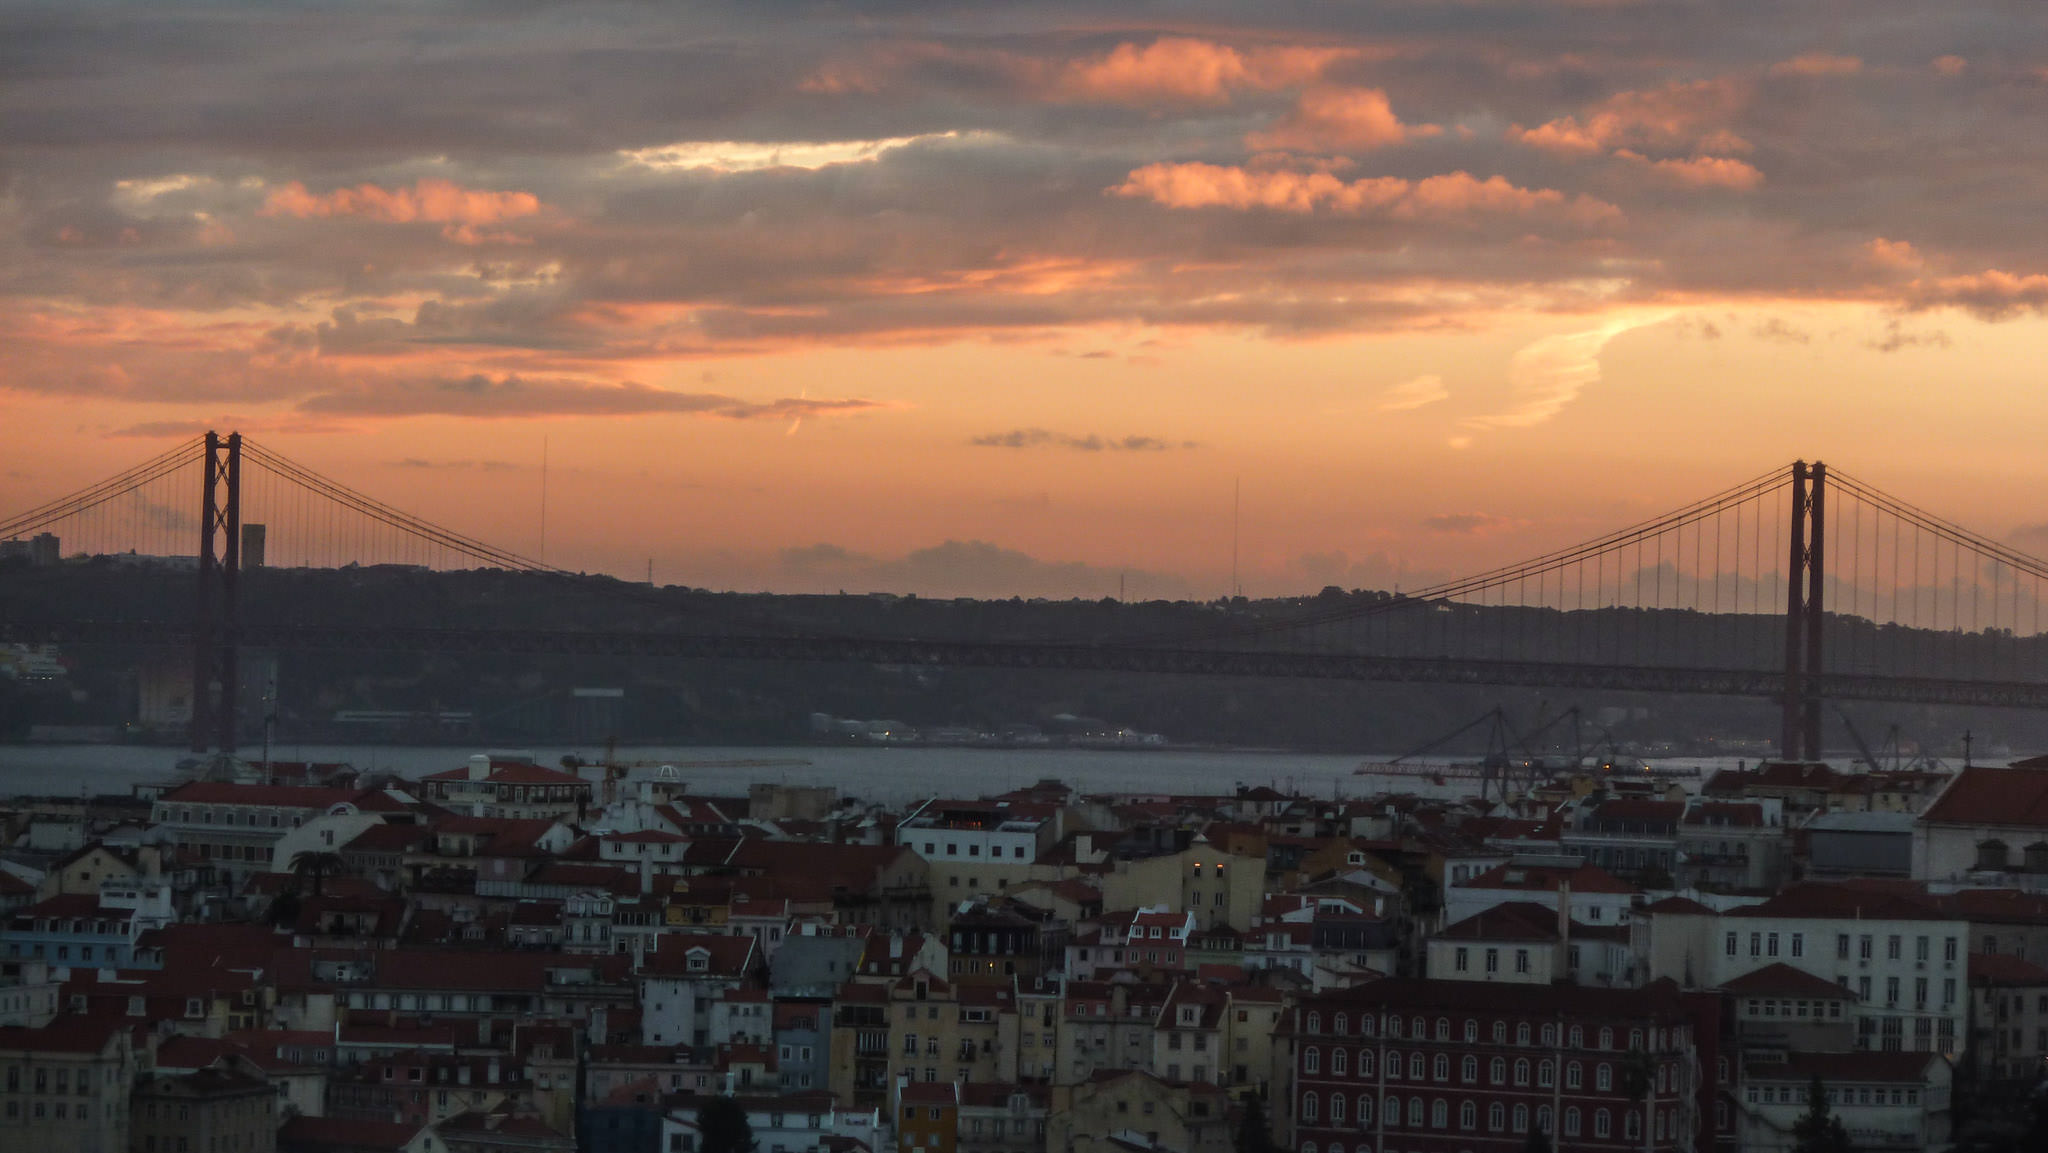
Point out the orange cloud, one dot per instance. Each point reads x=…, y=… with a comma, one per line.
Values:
x=1992, y=294
x=1330, y=118
x=1688, y=116
x=435, y=201
x=1702, y=171
x=1449, y=195
x=1896, y=254
x=1178, y=70
x=1818, y=64
x=1951, y=65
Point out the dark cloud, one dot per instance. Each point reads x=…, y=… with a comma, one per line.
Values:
x=1897, y=337
x=1045, y=438
x=486, y=396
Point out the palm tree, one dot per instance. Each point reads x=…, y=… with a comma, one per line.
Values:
x=318, y=862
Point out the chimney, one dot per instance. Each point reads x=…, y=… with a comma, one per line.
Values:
x=479, y=767
x=1564, y=928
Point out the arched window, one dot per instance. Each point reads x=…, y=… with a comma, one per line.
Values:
x=1521, y=1119
x=1341, y=1026
x=1415, y=1112
x=1572, y=1077
x=1499, y=1071
x=1415, y=1066
x=1546, y=1072
x=1521, y=1070
x=1365, y=1062
x=1603, y=1077
x=1340, y=1062
x=1308, y=1147
x=1468, y=1116
x=1336, y=1147
x=1364, y=1110
x=1315, y=1023
x=1439, y=1113
x=1578, y=1038
x=1607, y=1038
x=1496, y=1116
x=1471, y=1030
x=1394, y=1025
x=1442, y=1071
x=1549, y=1036
x=1421, y=1030
x=1369, y=1025
x=1500, y=1032
x=1393, y=1110
x=1393, y=1066
x=1571, y=1121
x=1443, y=1028
x=1543, y=1118
x=1601, y=1128
x=1336, y=1108
x=1469, y=1069
x=1311, y=1060
x=1522, y=1033
x=1632, y=1125
x=1308, y=1107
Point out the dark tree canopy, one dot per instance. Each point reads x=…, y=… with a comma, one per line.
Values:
x=1818, y=1130
x=1254, y=1135
x=722, y=1122
x=1537, y=1142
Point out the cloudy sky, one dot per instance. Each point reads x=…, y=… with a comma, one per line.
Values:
x=994, y=298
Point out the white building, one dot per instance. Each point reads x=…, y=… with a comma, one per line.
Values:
x=684, y=977
x=1884, y=1100
x=1594, y=896
x=1989, y=826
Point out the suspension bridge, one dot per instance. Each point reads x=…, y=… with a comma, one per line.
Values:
x=1803, y=585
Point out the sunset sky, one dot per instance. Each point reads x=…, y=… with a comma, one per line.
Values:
x=1009, y=298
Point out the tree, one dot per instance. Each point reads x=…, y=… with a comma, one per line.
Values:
x=1254, y=1135
x=722, y=1122
x=1819, y=1130
x=1537, y=1142
x=317, y=862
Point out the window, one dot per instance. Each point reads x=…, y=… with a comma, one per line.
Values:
x=1863, y=951
x=1632, y=1125
x=1841, y=946
x=1578, y=1038
x=1603, y=1078
x=1336, y=1108
x=1442, y=1069
x=1308, y=1107
x=1601, y=1128
x=1948, y=949
x=1415, y=1112
x=1521, y=1119
x=1364, y=1062
x=1607, y=1038
x=1521, y=960
x=1499, y=1071
x=1393, y=1110
x=1756, y=944
x=1571, y=1121
x=1546, y=1073
x=1340, y=1061
x=1799, y=945
x=1496, y=1116
x=1572, y=1079
x=1439, y=1113
x=1493, y=960
x=1728, y=941
x=1364, y=1111
x=1415, y=1066
x=1471, y=1030
x=1311, y=1060
x=1468, y=1070
x=1522, y=1033
x=1891, y=947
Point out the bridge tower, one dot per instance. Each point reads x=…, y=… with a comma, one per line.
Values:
x=1799, y=732
x=216, y=627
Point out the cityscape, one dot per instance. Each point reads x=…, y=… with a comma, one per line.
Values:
x=1440, y=576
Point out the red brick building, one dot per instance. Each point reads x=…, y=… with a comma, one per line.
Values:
x=1420, y=1066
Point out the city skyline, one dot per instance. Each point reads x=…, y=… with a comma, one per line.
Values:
x=949, y=301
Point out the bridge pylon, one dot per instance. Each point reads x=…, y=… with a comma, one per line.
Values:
x=1799, y=729
x=216, y=625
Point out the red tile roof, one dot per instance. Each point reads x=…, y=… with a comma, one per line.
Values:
x=2004, y=797
x=69, y=1033
x=1846, y=901
x=344, y=1133
x=1510, y=921
x=1779, y=978
x=1585, y=878
x=2004, y=969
